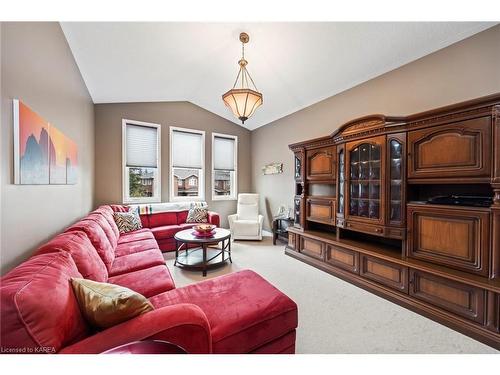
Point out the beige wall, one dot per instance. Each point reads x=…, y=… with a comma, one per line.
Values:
x=465, y=70
x=38, y=68
x=108, y=146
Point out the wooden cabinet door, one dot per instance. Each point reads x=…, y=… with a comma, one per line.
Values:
x=321, y=163
x=451, y=236
x=298, y=212
x=385, y=273
x=321, y=210
x=342, y=258
x=396, y=180
x=365, y=180
x=460, y=149
x=460, y=299
x=291, y=240
x=493, y=314
x=312, y=248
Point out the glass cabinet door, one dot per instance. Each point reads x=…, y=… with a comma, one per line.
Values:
x=298, y=166
x=365, y=180
x=396, y=180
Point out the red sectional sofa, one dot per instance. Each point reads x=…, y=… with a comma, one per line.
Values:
x=164, y=225
x=237, y=313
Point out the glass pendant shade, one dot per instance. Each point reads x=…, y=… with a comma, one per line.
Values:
x=243, y=99
x=242, y=102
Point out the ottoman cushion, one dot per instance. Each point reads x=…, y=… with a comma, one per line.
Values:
x=245, y=312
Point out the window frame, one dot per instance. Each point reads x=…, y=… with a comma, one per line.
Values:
x=234, y=195
x=156, y=198
x=201, y=177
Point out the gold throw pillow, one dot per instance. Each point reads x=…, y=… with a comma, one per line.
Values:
x=105, y=305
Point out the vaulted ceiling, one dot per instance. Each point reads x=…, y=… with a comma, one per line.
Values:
x=294, y=65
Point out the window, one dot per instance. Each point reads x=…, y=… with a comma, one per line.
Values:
x=224, y=166
x=187, y=160
x=141, y=162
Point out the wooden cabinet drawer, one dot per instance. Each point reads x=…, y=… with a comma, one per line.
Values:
x=321, y=210
x=320, y=163
x=312, y=248
x=383, y=272
x=342, y=258
x=451, y=236
x=460, y=299
x=460, y=149
x=377, y=230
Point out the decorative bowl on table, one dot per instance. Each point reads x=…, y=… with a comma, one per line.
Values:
x=204, y=230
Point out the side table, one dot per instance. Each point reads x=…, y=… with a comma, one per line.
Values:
x=280, y=224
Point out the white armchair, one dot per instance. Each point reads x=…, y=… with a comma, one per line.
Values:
x=246, y=224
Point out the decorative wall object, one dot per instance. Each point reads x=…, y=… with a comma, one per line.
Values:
x=273, y=168
x=42, y=154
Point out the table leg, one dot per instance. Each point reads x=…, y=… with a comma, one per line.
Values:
x=223, y=249
x=230, y=251
x=176, y=252
x=204, y=248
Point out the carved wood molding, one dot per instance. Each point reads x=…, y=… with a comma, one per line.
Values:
x=379, y=124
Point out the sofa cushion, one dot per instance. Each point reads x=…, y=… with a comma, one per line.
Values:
x=99, y=239
x=107, y=212
x=246, y=227
x=105, y=305
x=187, y=225
x=243, y=309
x=149, y=282
x=133, y=247
x=84, y=254
x=105, y=226
x=182, y=216
x=138, y=235
x=162, y=218
x=167, y=244
x=166, y=231
x=38, y=307
x=137, y=261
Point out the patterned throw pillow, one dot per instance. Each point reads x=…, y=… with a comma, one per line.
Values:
x=127, y=221
x=197, y=215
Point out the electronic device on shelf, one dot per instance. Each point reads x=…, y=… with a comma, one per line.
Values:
x=462, y=200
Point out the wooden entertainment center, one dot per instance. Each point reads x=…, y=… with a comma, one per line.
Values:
x=409, y=209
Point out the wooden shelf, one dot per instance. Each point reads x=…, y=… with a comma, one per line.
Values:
x=393, y=254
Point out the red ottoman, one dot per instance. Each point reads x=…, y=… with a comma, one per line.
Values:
x=246, y=313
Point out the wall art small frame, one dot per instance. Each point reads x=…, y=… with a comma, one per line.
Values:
x=43, y=154
x=272, y=168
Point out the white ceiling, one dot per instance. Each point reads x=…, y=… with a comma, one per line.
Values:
x=293, y=64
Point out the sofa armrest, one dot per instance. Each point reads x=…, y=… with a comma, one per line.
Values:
x=213, y=218
x=261, y=221
x=183, y=324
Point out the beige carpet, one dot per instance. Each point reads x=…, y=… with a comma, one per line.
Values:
x=335, y=316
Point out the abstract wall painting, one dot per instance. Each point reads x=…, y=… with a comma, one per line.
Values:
x=42, y=153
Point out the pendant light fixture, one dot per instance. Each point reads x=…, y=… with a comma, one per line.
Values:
x=243, y=99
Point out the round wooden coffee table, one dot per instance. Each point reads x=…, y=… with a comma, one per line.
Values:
x=202, y=253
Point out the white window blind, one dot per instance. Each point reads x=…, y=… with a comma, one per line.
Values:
x=223, y=153
x=186, y=150
x=142, y=146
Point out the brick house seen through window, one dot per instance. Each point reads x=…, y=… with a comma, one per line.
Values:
x=185, y=182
